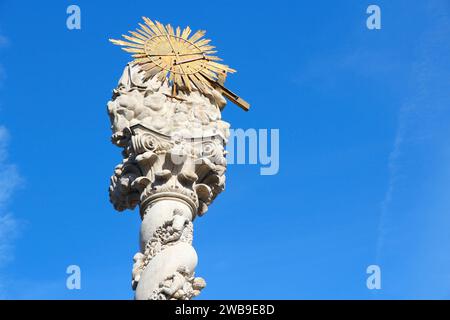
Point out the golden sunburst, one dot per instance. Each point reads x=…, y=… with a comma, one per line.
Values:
x=186, y=60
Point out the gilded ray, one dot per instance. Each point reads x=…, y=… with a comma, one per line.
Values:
x=202, y=42
x=186, y=33
x=142, y=60
x=132, y=50
x=197, y=36
x=207, y=48
x=210, y=74
x=186, y=82
x=196, y=83
x=134, y=40
x=161, y=27
x=152, y=26
x=170, y=30
x=125, y=43
x=138, y=36
x=213, y=58
x=162, y=76
x=139, y=56
x=146, y=32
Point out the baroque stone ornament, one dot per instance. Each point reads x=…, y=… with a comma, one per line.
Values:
x=173, y=167
x=166, y=117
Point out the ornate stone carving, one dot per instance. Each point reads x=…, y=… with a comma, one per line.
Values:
x=181, y=285
x=177, y=229
x=173, y=167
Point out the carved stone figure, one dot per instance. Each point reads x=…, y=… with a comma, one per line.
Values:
x=181, y=285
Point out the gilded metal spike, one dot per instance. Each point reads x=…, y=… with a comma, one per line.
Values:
x=134, y=39
x=197, y=36
x=145, y=31
x=170, y=30
x=202, y=42
x=161, y=27
x=132, y=50
x=152, y=26
x=186, y=33
x=138, y=36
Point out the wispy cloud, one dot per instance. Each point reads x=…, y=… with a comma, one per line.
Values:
x=419, y=106
x=4, y=42
x=393, y=168
x=9, y=225
x=2, y=75
x=9, y=180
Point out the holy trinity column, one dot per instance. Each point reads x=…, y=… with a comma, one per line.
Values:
x=166, y=117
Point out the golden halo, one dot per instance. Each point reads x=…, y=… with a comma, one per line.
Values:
x=165, y=53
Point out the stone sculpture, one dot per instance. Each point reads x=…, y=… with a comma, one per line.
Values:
x=173, y=168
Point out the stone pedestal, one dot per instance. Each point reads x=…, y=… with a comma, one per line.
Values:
x=173, y=167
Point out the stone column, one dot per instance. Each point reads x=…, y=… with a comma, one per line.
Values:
x=173, y=167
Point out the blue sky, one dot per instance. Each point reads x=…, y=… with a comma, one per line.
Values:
x=364, y=154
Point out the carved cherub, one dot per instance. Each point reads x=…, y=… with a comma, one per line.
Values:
x=175, y=282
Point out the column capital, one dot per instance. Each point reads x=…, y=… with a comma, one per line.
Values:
x=171, y=147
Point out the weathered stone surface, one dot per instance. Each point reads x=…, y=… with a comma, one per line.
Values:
x=173, y=167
